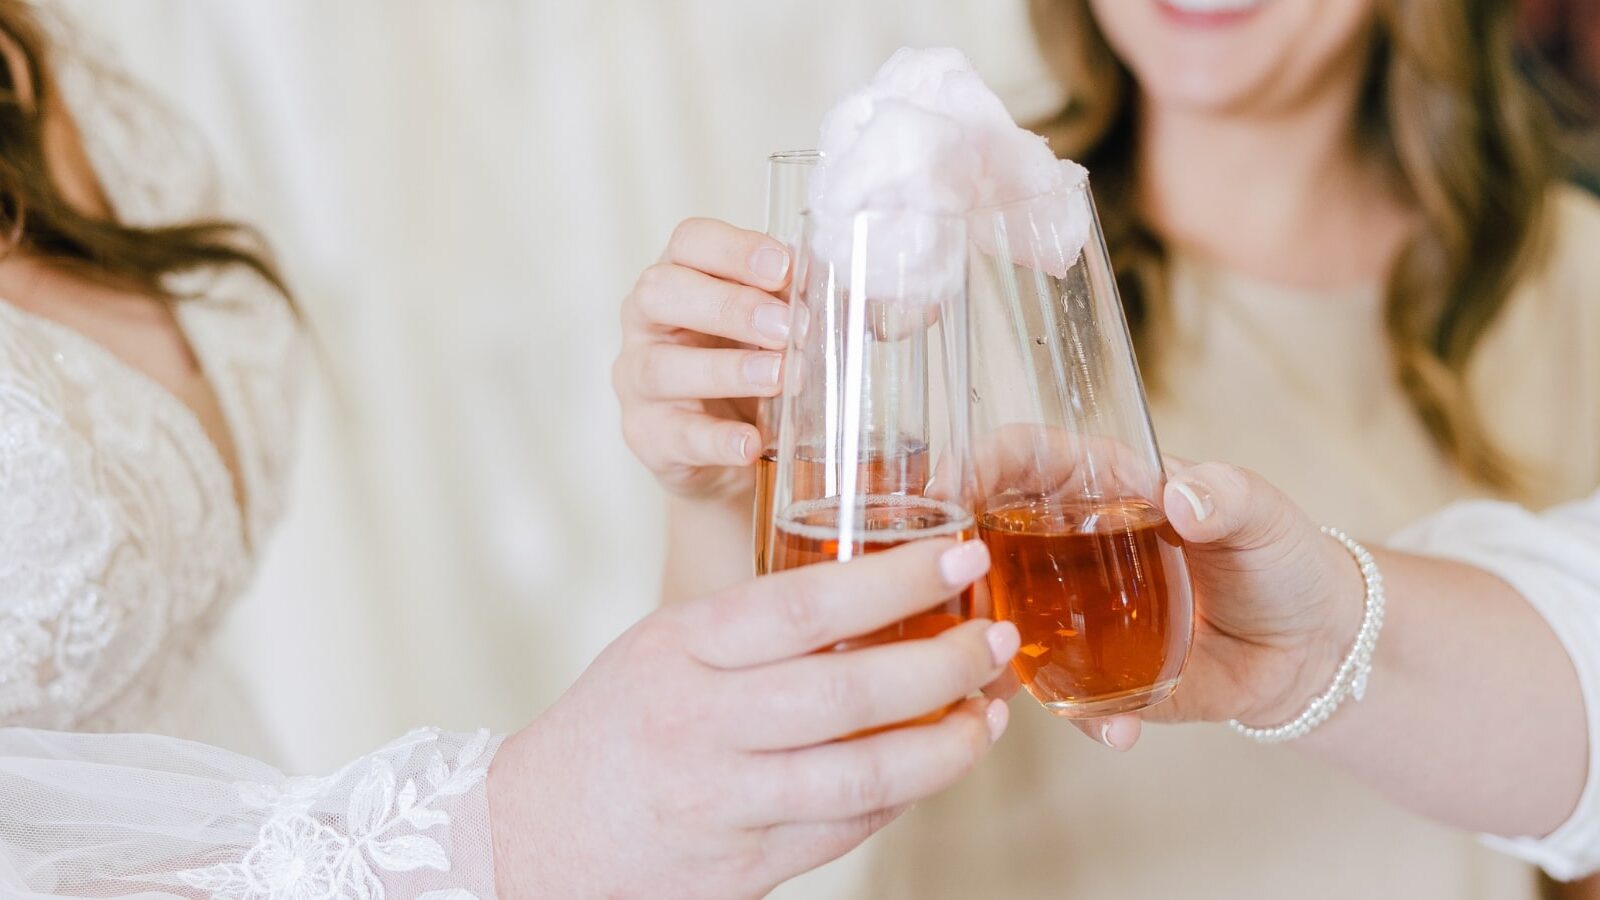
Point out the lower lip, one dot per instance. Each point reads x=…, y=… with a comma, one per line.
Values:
x=1218, y=19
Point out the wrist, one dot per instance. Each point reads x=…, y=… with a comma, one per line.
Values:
x=1339, y=598
x=526, y=861
x=698, y=507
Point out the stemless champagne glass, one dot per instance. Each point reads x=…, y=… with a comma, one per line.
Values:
x=1084, y=561
x=788, y=183
x=874, y=399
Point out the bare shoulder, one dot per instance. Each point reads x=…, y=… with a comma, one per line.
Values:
x=137, y=329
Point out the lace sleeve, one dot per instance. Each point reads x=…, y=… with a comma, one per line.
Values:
x=139, y=815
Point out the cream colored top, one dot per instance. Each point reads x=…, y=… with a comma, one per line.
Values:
x=1298, y=386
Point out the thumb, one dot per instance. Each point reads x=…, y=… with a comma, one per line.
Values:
x=1229, y=507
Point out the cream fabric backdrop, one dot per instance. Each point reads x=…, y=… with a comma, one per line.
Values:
x=462, y=193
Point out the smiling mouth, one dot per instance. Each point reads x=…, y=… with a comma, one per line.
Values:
x=1210, y=13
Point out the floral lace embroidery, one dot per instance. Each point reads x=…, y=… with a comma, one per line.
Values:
x=307, y=851
x=55, y=539
x=120, y=533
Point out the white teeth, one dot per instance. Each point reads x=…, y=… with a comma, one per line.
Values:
x=1213, y=6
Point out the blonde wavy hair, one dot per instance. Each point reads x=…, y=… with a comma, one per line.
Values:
x=1465, y=138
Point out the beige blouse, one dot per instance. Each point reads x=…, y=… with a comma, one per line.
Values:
x=1298, y=386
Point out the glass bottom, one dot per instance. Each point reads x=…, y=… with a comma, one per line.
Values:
x=1114, y=704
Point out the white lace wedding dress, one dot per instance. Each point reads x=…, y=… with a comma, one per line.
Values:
x=121, y=545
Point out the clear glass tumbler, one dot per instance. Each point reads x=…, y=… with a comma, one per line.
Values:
x=875, y=400
x=788, y=185
x=1084, y=560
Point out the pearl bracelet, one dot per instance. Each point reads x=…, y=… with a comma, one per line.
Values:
x=1351, y=677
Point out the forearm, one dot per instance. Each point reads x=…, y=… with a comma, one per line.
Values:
x=1474, y=714
x=710, y=546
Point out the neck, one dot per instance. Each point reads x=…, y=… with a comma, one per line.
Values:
x=1286, y=195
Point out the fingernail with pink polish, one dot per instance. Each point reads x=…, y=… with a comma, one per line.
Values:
x=997, y=715
x=761, y=369
x=964, y=563
x=770, y=263
x=1199, y=497
x=771, y=321
x=1004, y=641
x=1105, y=734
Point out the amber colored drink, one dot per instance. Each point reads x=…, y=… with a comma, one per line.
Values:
x=904, y=472
x=766, y=483
x=810, y=534
x=1101, y=595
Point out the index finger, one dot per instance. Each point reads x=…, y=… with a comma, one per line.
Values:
x=726, y=251
x=795, y=612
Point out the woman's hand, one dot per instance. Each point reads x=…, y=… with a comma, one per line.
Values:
x=1469, y=681
x=697, y=757
x=1277, y=604
x=703, y=334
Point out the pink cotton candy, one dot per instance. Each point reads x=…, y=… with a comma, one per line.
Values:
x=926, y=135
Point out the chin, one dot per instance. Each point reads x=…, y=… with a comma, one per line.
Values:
x=1204, y=88
x=1224, y=55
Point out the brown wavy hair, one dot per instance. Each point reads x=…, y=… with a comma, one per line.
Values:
x=37, y=216
x=1464, y=137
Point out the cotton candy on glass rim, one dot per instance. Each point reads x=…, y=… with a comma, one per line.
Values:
x=1045, y=232
x=926, y=135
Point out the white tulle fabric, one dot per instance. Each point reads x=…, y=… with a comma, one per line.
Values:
x=140, y=815
x=124, y=537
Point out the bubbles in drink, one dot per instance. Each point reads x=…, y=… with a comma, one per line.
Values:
x=903, y=471
x=811, y=532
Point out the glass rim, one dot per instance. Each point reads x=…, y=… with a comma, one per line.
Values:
x=795, y=157
x=953, y=218
x=1081, y=186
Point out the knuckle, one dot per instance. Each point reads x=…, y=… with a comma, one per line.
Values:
x=655, y=286
x=691, y=800
x=651, y=366
x=874, y=821
x=728, y=307
x=619, y=376
x=654, y=640
x=841, y=695
x=727, y=605
x=864, y=785
x=846, y=834
x=671, y=716
x=636, y=435
x=683, y=236
x=803, y=608
x=706, y=621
